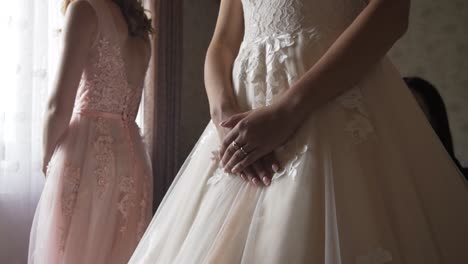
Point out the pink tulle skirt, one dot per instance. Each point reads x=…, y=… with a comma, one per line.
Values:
x=96, y=202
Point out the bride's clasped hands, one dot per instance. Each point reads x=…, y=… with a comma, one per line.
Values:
x=259, y=172
x=254, y=136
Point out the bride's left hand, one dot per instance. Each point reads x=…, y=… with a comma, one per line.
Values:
x=254, y=134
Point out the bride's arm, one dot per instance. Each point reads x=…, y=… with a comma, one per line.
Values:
x=220, y=57
x=78, y=34
x=360, y=47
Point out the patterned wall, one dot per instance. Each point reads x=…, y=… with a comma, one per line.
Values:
x=436, y=48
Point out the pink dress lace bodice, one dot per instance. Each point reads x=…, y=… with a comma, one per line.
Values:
x=104, y=85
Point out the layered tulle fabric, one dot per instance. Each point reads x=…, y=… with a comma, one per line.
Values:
x=365, y=180
x=96, y=202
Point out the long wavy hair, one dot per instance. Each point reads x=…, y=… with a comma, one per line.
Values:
x=437, y=114
x=138, y=22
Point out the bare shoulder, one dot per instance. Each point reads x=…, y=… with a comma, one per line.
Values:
x=83, y=10
x=81, y=24
x=82, y=14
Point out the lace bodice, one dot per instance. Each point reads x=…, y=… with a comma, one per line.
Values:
x=271, y=17
x=282, y=40
x=104, y=86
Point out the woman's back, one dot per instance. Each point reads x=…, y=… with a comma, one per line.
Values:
x=113, y=77
x=97, y=199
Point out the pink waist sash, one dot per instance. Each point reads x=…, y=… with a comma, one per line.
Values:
x=123, y=117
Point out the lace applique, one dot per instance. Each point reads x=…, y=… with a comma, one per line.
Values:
x=141, y=227
x=218, y=175
x=264, y=65
x=127, y=183
x=103, y=153
x=219, y=172
x=291, y=167
x=71, y=184
x=359, y=124
x=376, y=256
x=104, y=82
x=266, y=17
x=127, y=188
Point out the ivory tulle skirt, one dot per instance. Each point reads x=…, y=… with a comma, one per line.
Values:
x=365, y=180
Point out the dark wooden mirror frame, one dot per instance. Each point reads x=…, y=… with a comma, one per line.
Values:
x=166, y=67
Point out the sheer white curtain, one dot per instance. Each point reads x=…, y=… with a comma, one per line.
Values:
x=28, y=51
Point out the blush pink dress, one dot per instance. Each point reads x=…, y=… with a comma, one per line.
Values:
x=96, y=202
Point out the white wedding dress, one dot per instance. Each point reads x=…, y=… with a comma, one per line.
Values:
x=365, y=180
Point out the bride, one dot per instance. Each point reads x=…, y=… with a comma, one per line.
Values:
x=321, y=155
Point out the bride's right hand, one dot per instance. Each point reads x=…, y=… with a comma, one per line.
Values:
x=261, y=171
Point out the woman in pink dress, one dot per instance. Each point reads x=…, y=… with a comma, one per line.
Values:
x=96, y=202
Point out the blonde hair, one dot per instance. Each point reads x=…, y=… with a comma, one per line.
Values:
x=137, y=21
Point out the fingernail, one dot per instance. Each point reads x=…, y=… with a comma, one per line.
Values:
x=257, y=182
x=235, y=170
x=266, y=181
x=222, y=123
x=243, y=177
x=275, y=167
